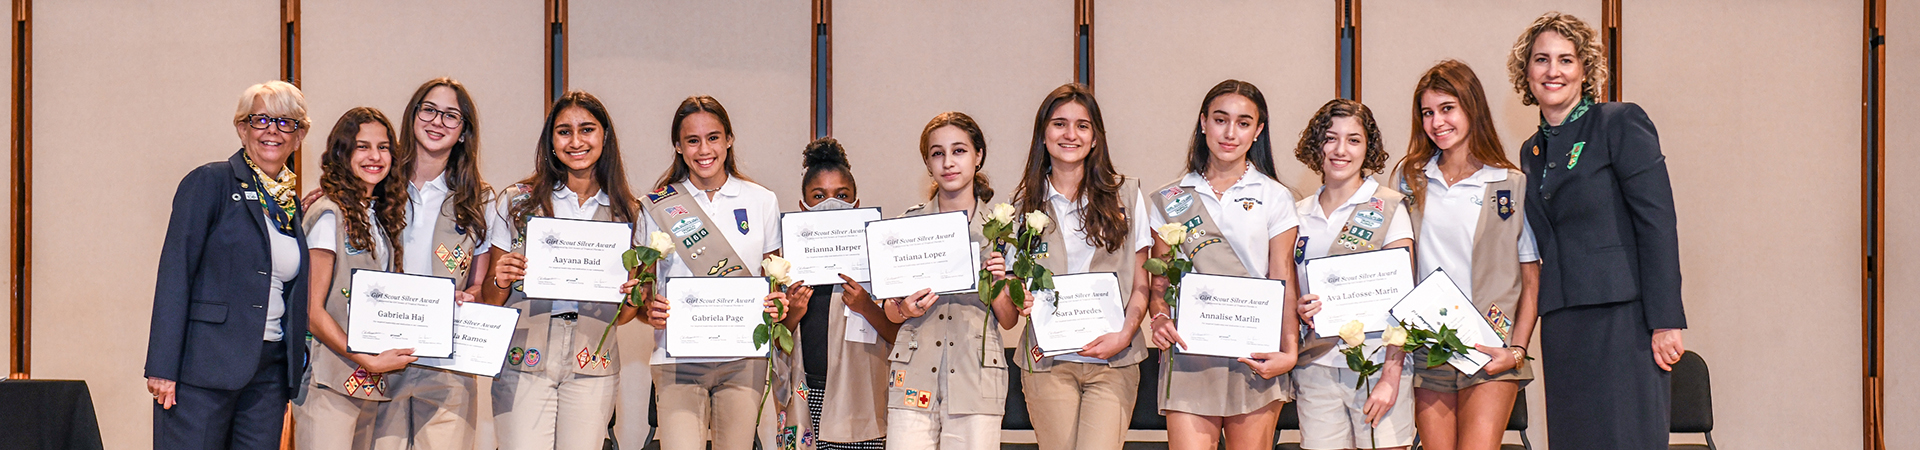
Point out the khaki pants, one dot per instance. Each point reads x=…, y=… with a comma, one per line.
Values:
x=328, y=420
x=923, y=430
x=1081, y=406
x=723, y=397
x=554, y=408
x=431, y=409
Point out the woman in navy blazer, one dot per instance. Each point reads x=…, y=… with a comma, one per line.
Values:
x=228, y=342
x=1601, y=206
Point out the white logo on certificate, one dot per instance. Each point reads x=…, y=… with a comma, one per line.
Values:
x=824, y=244
x=1234, y=317
x=714, y=316
x=576, y=259
x=1358, y=286
x=387, y=310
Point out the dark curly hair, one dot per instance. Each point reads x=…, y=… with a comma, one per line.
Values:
x=1314, y=138
x=826, y=155
x=339, y=183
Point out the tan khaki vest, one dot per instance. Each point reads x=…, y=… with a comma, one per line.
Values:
x=329, y=369
x=856, y=394
x=1122, y=263
x=1384, y=202
x=1496, y=248
x=527, y=352
x=951, y=331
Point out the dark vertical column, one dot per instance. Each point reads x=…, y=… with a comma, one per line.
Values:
x=1083, y=42
x=290, y=71
x=20, y=344
x=1346, y=26
x=1610, y=36
x=1873, y=190
x=822, y=68
x=556, y=39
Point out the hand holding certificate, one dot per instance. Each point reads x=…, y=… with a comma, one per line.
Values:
x=933, y=251
x=576, y=259
x=1234, y=317
x=1090, y=305
x=714, y=317
x=387, y=310
x=480, y=335
x=825, y=244
x=1358, y=286
x=1436, y=303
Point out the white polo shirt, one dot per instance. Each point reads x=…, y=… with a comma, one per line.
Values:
x=1448, y=221
x=1256, y=209
x=1067, y=216
x=325, y=232
x=423, y=214
x=566, y=205
x=1318, y=229
x=747, y=214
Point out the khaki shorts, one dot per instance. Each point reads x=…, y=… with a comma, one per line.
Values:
x=1330, y=410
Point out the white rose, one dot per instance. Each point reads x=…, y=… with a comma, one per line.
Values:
x=1396, y=336
x=1038, y=221
x=660, y=242
x=1353, y=332
x=1002, y=213
x=776, y=268
x=1174, y=234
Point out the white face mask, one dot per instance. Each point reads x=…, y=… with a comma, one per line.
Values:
x=829, y=204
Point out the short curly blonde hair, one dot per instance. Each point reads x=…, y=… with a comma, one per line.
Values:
x=1592, y=52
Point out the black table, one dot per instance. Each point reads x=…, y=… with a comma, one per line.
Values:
x=47, y=414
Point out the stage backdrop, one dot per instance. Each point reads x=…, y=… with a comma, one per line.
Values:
x=1902, y=272
x=642, y=59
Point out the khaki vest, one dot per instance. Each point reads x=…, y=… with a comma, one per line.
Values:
x=1496, y=248
x=1122, y=263
x=950, y=336
x=703, y=248
x=856, y=394
x=333, y=370
x=1384, y=203
x=590, y=333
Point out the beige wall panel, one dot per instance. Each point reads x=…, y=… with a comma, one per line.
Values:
x=152, y=87
x=1155, y=62
x=1902, y=259
x=1759, y=116
x=1401, y=40
x=642, y=59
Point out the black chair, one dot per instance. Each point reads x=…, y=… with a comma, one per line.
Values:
x=1016, y=417
x=1692, y=407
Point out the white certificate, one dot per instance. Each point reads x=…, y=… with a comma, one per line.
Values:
x=1437, y=301
x=1228, y=316
x=387, y=310
x=921, y=252
x=714, y=316
x=858, y=329
x=824, y=244
x=1090, y=305
x=576, y=259
x=1358, y=286
x=480, y=335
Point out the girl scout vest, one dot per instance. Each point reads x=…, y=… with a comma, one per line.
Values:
x=590, y=355
x=856, y=399
x=333, y=370
x=950, y=335
x=1496, y=244
x=1355, y=237
x=1121, y=263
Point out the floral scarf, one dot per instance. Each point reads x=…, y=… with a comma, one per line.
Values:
x=279, y=196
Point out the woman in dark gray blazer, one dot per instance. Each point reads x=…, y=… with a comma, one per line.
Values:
x=1601, y=207
x=228, y=342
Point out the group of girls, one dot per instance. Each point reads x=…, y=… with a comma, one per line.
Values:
x=406, y=196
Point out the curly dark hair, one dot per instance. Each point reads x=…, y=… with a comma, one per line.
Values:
x=340, y=184
x=1314, y=138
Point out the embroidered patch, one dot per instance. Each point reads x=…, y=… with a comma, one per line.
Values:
x=899, y=379
x=1169, y=192
x=1361, y=233
x=731, y=270
x=676, y=211
x=533, y=357
x=1035, y=354
x=456, y=259
x=1350, y=242
x=363, y=382
x=1498, y=319
x=1369, y=219
x=251, y=195
x=1248, y=203
x=686, y=227
x=917, y=398
x=740, y=219
x=694, y=239
x=1503, y=203
x=715, y=270
x=460, y=230
x=352, y=251
x=1193, y=223
x=1300, y=250
x=1041, y=251
x=1574, y=156
x=513, y=356
x=1376, y=203
x=592, y=360
x=1179, y=205
x=663, y=193
x=786, y=439
x=1536, y=150
x=1202, y=245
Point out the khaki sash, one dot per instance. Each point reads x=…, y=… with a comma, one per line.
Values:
x=1355, y=237
x=333, y=370
x=703, y=247
x=1206, y=245
x=526, y=352
x=1121, y=263
x=1496, y=249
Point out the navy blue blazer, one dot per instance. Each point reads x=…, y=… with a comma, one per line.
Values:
x=210, y=299
x=1604, y=217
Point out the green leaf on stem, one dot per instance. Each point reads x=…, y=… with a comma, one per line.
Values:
x=1156, y=266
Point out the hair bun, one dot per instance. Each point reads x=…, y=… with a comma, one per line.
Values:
x=825, y=153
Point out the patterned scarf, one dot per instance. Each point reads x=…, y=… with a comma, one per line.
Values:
x=279, y=196
x=1579, y=109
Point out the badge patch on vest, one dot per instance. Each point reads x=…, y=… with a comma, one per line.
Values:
x=514, y=355
x=1503, y=203
x=676, y=211
x=588, y=360
x=1574, y=156
x=740, y=219
x=1377, y=204
x=1040, y=252
x=917, y=398
x=362, y=382
x=533, y=357
x=1193, y=223
x=352, y=251
x=1360, y=233
x=721, y=269
x=1202, y=245
x=1169, y=192
x=1035, y=353
x=1300, y=251
x=1179, y=205
x=663, y=193
x=1498, y=319
x=1369, y=219
x=686, y=227
x=899, y=379
x=456, y=259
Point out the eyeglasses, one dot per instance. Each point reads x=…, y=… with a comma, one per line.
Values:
x=262, y=121
x=430, y=114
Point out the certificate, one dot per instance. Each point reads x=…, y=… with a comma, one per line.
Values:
x=1090, y=305
x=576, y=259
x=921, y=252
x=1437, y=301
x=714, y=316
x=480, y=335
x=824, y=244
x=1228, y=316
x=858, y=329
x=387, y=310
x=1358, y=286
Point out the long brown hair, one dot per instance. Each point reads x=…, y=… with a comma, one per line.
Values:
x=1260, y=153
x=1104, y=220
x=679, y=170
x=981, y=191
x=1313, y=140
x=549, y=173
x=467, y=192
x=340, y=184
x=1453, y=78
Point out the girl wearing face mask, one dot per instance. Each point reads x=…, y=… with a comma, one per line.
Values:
x=351, y=227
x=1342, y=144
x=949, y=378
x=844, y=374
x=1465, y=203
x=1084, y=400
x=724, y=224
x=446, y=227
x=557, y=389
x=1246, y=223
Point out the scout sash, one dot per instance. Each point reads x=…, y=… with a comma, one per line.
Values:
x=1366, y=230
x=1206, y=245
x=701, y=246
